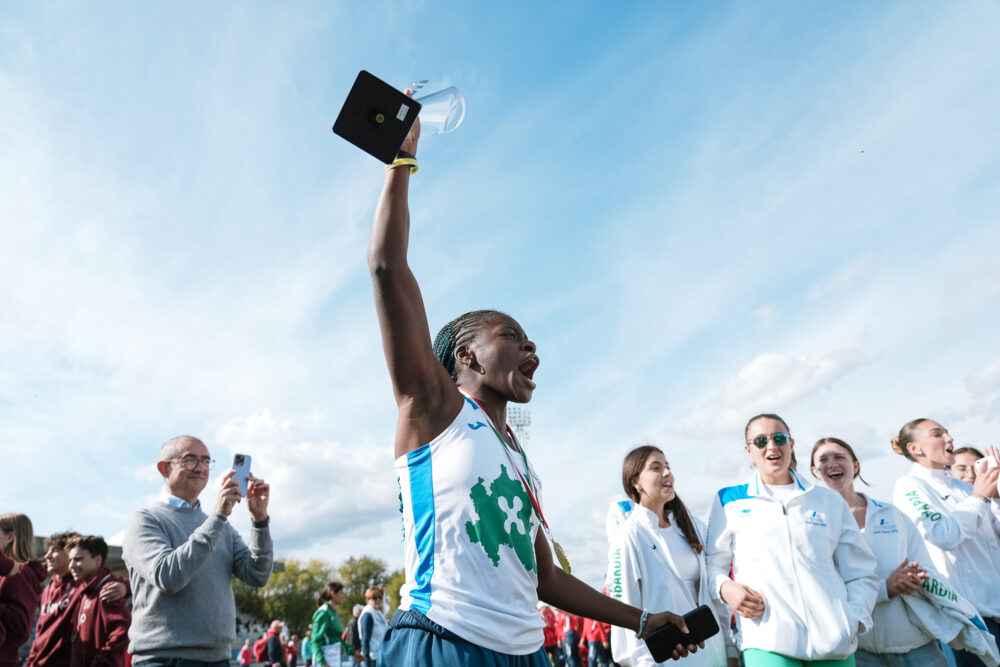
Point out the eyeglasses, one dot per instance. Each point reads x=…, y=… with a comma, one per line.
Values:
x=191, y=462
x=780, y=439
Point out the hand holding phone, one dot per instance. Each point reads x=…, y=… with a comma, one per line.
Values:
x=241, y=472
x=701, y=625
x=984, y=464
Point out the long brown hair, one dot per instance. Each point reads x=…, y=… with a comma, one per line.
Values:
x=635, y=462
x=22, y=549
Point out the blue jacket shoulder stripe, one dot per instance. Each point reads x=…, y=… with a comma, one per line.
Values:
x=731, y=493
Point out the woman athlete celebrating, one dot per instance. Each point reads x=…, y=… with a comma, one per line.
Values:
x=960, y=523
x=658, y=560
x=476, y=564
x=899, y=550
x=804, y=581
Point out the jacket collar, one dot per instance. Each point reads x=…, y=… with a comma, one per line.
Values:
x=756, y=485
x=873, y=507
x=645, y=516
x=873, y=504
x=181, y=503
x=940, y=478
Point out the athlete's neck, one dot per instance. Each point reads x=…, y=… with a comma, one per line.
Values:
x=781, y=479
x=659, y=509
x=495, y=408
x=853, y=498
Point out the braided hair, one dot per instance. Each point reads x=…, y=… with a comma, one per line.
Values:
x=460, y=331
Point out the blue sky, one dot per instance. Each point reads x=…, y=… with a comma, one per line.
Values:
x=699, y=212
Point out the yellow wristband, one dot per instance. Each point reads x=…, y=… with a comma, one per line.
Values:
x=403, y=161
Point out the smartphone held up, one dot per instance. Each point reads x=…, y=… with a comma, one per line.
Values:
x=241, y=472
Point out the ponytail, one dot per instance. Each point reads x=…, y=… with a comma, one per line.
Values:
x=907, y=434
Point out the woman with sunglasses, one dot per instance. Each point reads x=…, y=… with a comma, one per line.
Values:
x=476, y=562
x=960, y=522
x=371, y=625
x=803, y=580
x=658, y=560
x=895, y=641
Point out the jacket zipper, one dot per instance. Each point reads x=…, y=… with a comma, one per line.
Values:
x=795, y=574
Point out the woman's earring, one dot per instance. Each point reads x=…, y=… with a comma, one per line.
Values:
x=918, y=452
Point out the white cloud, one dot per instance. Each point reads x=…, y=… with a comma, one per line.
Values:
x=321, y=487
x=768, y=383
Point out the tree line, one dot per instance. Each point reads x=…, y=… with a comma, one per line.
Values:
x=290, y=595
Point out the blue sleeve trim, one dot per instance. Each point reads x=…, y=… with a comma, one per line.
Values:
x=731, y=493
x=422, y=503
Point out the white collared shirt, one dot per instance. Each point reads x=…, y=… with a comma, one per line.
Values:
x=181, y=503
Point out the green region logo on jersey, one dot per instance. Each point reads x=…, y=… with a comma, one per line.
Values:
x=504, y=519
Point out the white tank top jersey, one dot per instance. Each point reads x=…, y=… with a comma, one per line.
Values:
x=469, y=534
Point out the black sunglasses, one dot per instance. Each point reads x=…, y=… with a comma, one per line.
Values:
x=780, y=439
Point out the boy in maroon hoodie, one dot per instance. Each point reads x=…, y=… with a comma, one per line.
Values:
x=20, y=585
x=57, y=616
x=100, y=632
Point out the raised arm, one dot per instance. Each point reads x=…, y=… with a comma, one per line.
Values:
x=426, y=396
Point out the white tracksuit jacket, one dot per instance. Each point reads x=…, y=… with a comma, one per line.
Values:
x=807, y=558
x=892, y=537
x=642, y=573
x=961, y=531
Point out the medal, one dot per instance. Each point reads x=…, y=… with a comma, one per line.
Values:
x=529, y=486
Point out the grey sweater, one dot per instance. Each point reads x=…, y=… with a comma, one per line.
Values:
x=180, y=563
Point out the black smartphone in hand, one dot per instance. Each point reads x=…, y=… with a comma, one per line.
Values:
x=701, y=625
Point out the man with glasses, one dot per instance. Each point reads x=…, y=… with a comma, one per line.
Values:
x=181, y=559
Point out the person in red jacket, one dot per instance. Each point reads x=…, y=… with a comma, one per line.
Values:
x=572, y=630
x=20, y=585
x=246, y=654
x=596, y=634
x=551, y=641
x=57, y=616
x=100, y=633
x=292, y=651
x=260, y=650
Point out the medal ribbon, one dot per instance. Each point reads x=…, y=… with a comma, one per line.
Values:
x=528, y=484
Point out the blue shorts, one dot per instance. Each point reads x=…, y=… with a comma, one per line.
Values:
x=413, y=640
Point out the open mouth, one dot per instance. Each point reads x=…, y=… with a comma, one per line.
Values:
x=835, y=475
x=527, y=369
x=774, y=458
x=950, y=449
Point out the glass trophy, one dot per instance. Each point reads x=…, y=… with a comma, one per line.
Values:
x=442, y=111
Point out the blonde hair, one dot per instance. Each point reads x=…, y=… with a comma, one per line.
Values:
x=22, y=549
x=907, y=434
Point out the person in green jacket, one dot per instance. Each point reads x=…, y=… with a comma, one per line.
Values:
x=326, y=629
